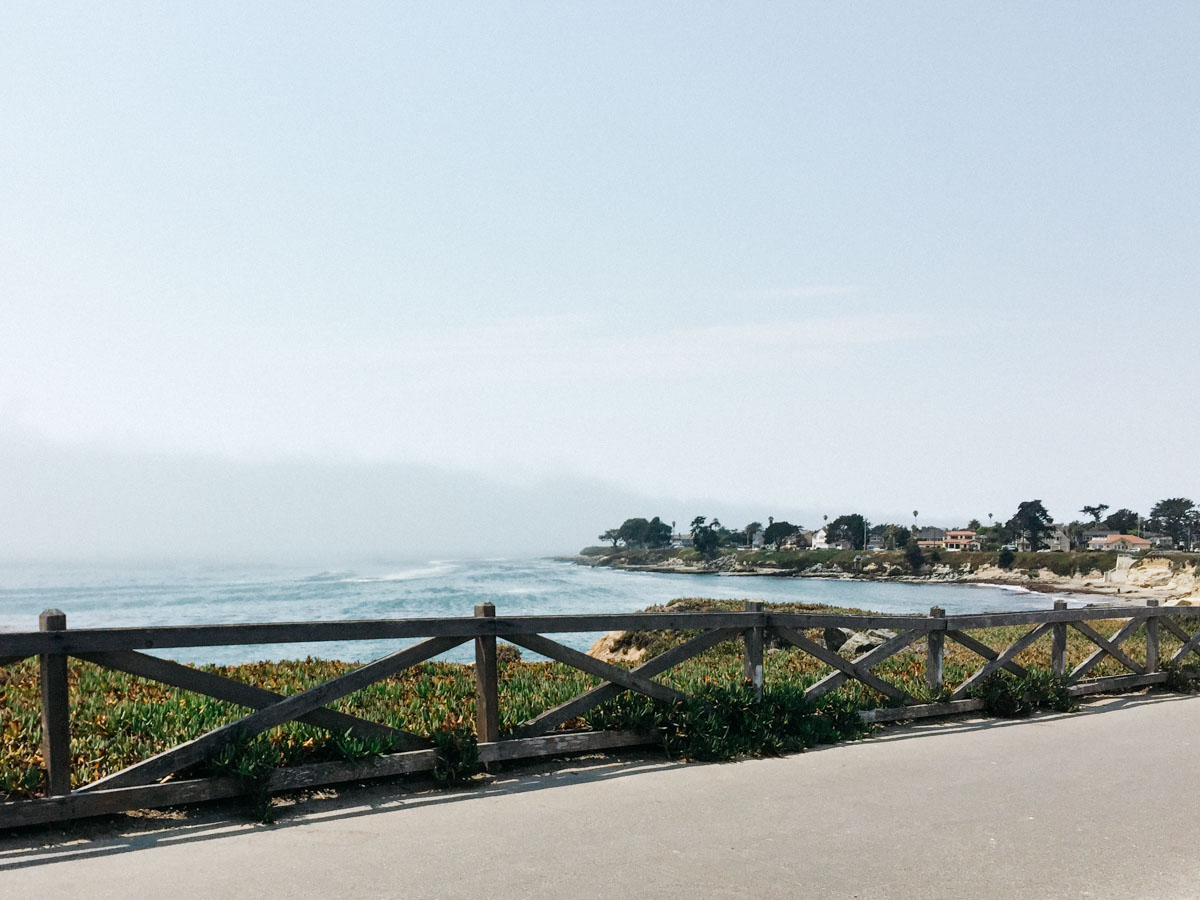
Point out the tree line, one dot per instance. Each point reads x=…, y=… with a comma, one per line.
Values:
x=1178, y=518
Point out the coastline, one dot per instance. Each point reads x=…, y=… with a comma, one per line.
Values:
x=1144, y=579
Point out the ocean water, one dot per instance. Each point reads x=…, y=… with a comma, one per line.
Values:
x=112, y=596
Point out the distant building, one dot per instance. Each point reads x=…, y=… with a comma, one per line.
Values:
x=1058, y=539
x=957, y=539
x=795, y=541
x=679, y=541
x=952, y=539
x=820, y=539
x=1096, y=531
x=1129, y=543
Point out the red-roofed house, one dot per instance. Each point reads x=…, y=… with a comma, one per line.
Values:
x=1127, y=542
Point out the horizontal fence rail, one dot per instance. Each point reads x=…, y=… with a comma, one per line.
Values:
x=155, y=781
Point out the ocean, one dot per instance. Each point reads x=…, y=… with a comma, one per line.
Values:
x=111, y=596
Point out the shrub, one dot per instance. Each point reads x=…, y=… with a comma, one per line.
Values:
x=507, y=654
x=1011, y=697
x=727, y=722
x=458, y=752
x=914, y=557
x=1181, y=678
x=1005, y=558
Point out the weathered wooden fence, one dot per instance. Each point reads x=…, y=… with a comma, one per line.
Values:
x=147, y=783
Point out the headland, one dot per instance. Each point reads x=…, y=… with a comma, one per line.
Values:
x=1169, y=578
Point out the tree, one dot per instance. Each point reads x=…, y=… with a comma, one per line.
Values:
x=974, y=525
x=658, y=533
x=726, y=537
x=1095, y=512
x=704, y=537
x=1076, y=532
x=640, y=533
x=1123, y=521
x=1176, y=516
x=1032, y=521
x=750, y=531
x=897, y=536
x=852, y=528
x=777, y=531
x=916, y=559
x=633, y=532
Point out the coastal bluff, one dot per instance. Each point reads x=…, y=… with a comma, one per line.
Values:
x=1171, y=579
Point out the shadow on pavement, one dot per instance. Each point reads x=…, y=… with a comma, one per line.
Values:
x=114, y=835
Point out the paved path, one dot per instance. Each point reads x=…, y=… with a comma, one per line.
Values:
x=1096, y=804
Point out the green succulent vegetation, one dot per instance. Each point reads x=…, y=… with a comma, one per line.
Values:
x=119, y=719
x=1012, y=697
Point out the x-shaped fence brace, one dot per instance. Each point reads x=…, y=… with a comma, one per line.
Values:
x=286, y=709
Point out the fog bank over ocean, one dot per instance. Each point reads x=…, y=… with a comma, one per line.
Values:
x=62, y=502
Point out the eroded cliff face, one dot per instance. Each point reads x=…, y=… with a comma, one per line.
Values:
x=1164, y=580
x=1177, y=582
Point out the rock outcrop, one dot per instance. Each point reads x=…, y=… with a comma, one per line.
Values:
x=605, y=649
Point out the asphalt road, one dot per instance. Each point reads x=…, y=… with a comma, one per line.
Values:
x=1094, y=804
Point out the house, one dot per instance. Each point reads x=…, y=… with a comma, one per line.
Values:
x=1128, y=543
x=797, y=540
x=931, y=537
x=957, y=539
x=1058, y=539
x=1096, y=531
x=679, y=541
x=820, y=539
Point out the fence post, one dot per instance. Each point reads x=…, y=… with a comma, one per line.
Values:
x=487, y=697
x=1152, y=624
x=1058, y=646
x=754, y=651
x=935, y=645
x=56, y=709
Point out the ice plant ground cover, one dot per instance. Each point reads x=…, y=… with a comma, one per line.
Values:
x=117, y=719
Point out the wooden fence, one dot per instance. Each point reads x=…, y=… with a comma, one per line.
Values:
x=147, y=784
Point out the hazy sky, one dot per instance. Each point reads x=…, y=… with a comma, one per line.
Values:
x=562, y=263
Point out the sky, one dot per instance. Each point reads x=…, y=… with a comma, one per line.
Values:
x=285, y=280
